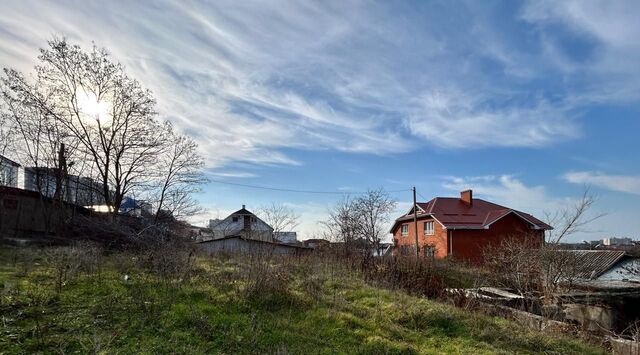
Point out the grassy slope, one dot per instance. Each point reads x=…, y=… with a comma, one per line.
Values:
x=329, y=312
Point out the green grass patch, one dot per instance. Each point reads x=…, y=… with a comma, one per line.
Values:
x=238, y=306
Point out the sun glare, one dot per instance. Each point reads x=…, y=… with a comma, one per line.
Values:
x=92, y=108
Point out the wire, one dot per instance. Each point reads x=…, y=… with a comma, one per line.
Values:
x=426, y=199
x=299, y=191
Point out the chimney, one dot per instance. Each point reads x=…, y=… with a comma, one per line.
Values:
x=467, y=197
x=246, y=225
x=243, y=207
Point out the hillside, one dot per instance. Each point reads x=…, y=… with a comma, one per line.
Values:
x=75, y=300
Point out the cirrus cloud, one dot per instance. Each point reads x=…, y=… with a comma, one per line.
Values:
x=621, y=183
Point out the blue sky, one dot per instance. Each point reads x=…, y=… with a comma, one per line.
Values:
x=525, y=102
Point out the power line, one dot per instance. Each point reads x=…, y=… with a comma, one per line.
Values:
x=299, y=191
x=426, y=199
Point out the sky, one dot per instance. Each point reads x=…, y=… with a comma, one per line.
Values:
x=527, y=103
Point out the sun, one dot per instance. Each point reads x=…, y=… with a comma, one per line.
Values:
x=91, y=108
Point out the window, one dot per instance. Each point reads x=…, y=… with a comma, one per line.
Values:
x=405, y=230
x=234, y=219
x=428, y=228
x=429, y=251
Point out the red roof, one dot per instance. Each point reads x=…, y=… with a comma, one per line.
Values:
x=454, y=213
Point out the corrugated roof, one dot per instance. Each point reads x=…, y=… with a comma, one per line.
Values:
x=589, y=264
x=453, y=213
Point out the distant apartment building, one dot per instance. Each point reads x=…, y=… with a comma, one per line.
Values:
x=613, y=241
x=8, y=172
x=83, y=191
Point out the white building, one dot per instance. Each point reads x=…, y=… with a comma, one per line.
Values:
x=286, y=237
x=242, y=223
x=8, y=172
x=617, y=241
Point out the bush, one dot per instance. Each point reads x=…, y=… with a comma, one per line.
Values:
x=68, y=262
x=267, y=282
x=170, y=259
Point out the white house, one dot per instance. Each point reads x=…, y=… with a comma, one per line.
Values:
x=286, y=237
x=244, y=224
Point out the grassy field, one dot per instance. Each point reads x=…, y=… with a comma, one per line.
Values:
x=50, y=303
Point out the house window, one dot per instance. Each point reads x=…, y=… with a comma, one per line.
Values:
x=234, y=219
x=429, y=251
x=428, y=228
x=405, y=230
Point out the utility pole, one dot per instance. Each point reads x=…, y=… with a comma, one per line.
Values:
x=415, y=222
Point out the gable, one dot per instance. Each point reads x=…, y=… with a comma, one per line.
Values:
x=510, y=221
x=420, y=210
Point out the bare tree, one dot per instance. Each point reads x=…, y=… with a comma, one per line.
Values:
x=559, y=267
x=529, y=267
x=342, y=223
x=35, y=137
x=374, y=210
x=571, y=219
x=279, y=216
x=107, y=116
x=180, y=176
x=6, y=140
x=361, y=220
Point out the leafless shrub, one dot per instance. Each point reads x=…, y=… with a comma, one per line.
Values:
x=124, y=262
x=515, y=263
x=421, y=277
x=312, y=271
x=266, y=279
x=24, y=259
x=67, y=262
x=171, y=260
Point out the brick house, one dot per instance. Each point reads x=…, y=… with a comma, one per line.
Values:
x=463, y=227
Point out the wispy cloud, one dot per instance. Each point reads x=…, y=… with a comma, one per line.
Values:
x=460, y=120
x=510, y=191
x=598, y=49
x=232, y=174
x=620, y=183
x=249, y=79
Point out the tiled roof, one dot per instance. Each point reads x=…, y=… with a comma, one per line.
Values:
x=453, y=213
